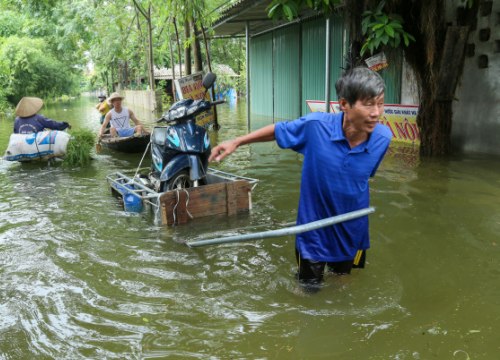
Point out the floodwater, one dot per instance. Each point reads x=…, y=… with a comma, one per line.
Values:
x=83, y=279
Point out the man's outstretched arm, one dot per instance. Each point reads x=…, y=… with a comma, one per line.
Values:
x=228, y=147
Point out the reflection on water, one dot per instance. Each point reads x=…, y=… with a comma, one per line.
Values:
x=83, y=279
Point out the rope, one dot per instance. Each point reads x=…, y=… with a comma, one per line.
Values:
x=177, y=203
x=142, y=159
x=37, y=149
x=187, y=202
x=175, y=207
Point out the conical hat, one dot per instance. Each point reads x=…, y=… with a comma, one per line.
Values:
x=114, y=96
x=28, y=106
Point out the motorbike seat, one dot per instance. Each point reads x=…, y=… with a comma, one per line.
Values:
x=160, y=135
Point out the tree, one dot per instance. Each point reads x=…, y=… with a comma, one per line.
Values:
x=146, y=13
x=436, y=55
x=28, y=70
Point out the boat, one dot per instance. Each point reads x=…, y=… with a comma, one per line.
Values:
x=130, y=144
x=41, y=146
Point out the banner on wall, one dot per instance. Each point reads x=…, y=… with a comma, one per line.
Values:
x=400, y=119
x=191, y=87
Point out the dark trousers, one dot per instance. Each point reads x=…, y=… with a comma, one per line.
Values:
x=311, y=271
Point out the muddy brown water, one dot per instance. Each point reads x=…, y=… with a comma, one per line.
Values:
x=83, y=279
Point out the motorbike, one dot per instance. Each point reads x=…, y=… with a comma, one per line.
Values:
x=180, y=150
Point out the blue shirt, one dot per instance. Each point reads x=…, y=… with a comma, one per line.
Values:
x=334, y=181
x=36, y=123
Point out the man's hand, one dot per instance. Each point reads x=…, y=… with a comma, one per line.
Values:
x=227, y=148
x=221, y=151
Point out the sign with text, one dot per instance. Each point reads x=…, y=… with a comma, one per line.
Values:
x=400, y=119
x=377, y=62
x=191, y=87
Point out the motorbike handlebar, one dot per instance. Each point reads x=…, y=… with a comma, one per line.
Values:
x=218, y=102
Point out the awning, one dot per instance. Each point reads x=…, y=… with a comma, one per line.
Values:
x=232, y=20
x=167, y=74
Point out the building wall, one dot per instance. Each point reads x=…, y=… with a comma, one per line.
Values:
x=476, y=114
x=287, y=67
x=141, y=98
x=261, y=75
x=313, y=62
x=286, y=61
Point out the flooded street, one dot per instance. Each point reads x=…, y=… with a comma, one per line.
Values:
x=83, y=279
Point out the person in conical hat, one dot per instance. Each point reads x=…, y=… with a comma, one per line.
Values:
x=29, y=121
x=119, y=117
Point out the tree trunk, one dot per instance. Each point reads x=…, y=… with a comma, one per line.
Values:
x=434, y=121
x=198, y=64
x=437, y=58
x=150, y=53
x=172, y=63
x=205, y=41
x=187, y=48
x=178, y=47
x=126, y=74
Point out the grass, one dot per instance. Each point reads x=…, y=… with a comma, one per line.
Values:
x=80, y=147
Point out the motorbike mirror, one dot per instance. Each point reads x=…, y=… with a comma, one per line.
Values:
x=209, y=80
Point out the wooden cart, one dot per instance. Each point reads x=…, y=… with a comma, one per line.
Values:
x=224, y=194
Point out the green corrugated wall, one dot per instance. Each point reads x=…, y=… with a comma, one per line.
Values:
x=287, y=67
x=286, y=73
x=337, y=53
x=313, y=61
x=261, y=75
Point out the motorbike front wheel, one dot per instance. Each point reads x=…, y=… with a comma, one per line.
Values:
x=181, y=180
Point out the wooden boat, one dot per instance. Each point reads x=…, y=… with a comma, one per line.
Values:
x=131, y=144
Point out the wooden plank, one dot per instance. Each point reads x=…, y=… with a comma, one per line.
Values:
x=231, y=198
x=208, y=200
x=168, y=201
x=181, y=210
x=243, y=189
x=164, y=219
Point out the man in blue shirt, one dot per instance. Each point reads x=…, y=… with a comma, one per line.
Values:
x=341, y=152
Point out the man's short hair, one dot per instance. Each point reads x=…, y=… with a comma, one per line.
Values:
x=359, y=83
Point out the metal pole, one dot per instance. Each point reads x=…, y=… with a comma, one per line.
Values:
x=286, y=231
x=327, y=66
x=247, y=51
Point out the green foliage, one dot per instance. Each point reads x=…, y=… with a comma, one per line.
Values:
x=381, y=29
x=290, y=9
x=10, y=23
x=28, y=70
x=80, y=147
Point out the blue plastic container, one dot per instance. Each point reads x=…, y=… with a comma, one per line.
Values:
x=132, y=203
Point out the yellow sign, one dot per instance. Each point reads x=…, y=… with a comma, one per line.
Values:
x=191, y=87
x=400, y=119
